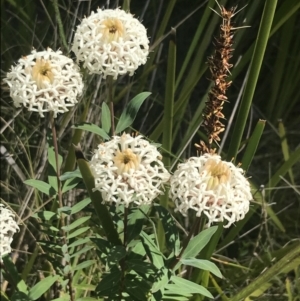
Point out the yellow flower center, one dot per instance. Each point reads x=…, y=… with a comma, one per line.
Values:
x=219, y=173
x=126, y=160
x=42, y=73
x=113, y=30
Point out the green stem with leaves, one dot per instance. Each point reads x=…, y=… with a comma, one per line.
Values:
x=59, y=194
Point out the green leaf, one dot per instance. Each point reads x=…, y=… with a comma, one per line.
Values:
x=79, y=206
x=45, y=215
x=202, y=264
x=11, y=274
x=87, y=299
x=162, y=280
x=70, y=175
x=152, y=250
x=172, y=297
x=105, y=117
x=137, y=248
x=41, y=186
x=115, y=255
x=70, y=184
x=136, y=219
x=191, y=287
x=93, y=129
x=51, y=154
x=198, y=242
x=141, y=267
x=64, y=209
x=67, y=268
x=64, y=248
x=42, y=286
x=173, y=289
x=103, y=245
x=84, y=250
x=76, y=223
x=285, y=147
x=77, y=232
x=17, y=296
x=253, y=144
x=52, y=179
x=78, y=242
x=172, y=236
x=137, y=287
x=109, y=282
x=129, y=114
x=84, y=265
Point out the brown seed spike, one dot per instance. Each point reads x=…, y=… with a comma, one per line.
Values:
x=219, y=67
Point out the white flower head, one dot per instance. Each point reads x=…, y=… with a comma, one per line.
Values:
x=128, y=170
x=111, y=42
x=45, y=81
x=211, y=186
x=8, y=227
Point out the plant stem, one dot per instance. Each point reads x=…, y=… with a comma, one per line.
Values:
x=125, y=225
x=111, y=103
x=54, y=139
x=59, y=194
x=60, y=25
x=186, y=242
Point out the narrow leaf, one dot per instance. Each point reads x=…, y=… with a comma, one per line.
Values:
x=105, y=117
x=84, y=265
x=70, y=184
x=45, y=215
x=152, y=250
x=192, y=287
x=41, y=186
x=78, y=242
x=77, y=232
x=109, y=280
x=42, y=286
x=51, y=154
x=129, y=114
x=70, y=174
x=198, y=242
x=79, y=206
x=136, y=220
x=76, y=223
x=253, y=144
x=170, y=229
x=202, y=264
x=92, y=128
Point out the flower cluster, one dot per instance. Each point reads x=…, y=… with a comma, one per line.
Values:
x=45, y=81
x=211, y=186
x=128, y=170
x=8, y=227
x=111, y=42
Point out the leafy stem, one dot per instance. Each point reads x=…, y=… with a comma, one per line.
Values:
x=59, y=194
x=186, y=242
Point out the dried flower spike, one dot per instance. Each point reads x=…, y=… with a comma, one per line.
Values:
x=219, y=66
x=128, y=170
x=111, y=42
x=45, y=81
x=208, y=185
